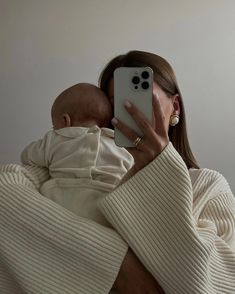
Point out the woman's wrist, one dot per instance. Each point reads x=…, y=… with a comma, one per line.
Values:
x=133, y=277
x=129, y=175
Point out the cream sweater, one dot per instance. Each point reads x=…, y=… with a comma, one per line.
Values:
x=180, y=223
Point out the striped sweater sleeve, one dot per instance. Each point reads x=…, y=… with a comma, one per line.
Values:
x=153, y=211
x=47, y=249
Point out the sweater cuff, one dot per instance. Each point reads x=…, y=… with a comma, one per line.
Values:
x=165, y=176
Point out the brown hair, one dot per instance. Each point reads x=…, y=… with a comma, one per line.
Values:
x=165, y=77
x=83, y=102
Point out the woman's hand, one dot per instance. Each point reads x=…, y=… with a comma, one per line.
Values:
x=134, y=278
x=153, y=141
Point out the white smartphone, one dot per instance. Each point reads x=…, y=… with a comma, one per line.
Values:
x=136, y=85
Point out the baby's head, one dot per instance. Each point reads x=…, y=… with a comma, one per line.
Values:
x=82, y=105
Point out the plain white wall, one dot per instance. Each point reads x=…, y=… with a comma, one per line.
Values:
x=48, y=45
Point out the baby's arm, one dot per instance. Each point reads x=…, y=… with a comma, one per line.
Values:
x=36, y=152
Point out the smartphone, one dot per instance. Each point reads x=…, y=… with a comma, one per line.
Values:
x=136, y=85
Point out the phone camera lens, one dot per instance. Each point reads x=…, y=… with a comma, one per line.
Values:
x=135, y=80
x=145, y=85
x=145, y=75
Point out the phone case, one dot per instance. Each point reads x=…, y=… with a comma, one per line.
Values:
x=136, y=85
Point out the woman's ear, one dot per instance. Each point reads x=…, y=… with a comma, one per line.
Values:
x=66, y=120
x=176, y=104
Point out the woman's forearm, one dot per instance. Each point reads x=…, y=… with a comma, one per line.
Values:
x=134, y=278
x=153, y=211
x=46, y=248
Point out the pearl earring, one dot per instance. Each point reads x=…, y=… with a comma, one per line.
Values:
x=174, y=120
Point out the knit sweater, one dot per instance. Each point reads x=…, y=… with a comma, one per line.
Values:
x=46, y=249
x=180, y=223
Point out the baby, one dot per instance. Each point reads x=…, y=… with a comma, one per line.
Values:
x=83, y=161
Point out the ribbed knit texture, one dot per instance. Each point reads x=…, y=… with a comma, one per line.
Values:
x=180, y=223
x=45, y=248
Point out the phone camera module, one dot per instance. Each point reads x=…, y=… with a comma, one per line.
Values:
x=145, y=75
x=135, y=80
x=145, y=85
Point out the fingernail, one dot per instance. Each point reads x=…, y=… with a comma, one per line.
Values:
x=156, y=95
x=127, y=104
x=114, y=121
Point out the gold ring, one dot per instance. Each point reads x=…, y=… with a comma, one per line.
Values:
x=137, y=141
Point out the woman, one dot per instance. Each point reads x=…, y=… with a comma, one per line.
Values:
x=177, y=218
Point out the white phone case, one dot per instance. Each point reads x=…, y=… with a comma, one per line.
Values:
x=136, y=85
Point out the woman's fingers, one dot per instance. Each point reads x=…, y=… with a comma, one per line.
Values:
x=149, y=133
x=139, y=118
x=128, y=132
x=143, y=123
x=153, y=142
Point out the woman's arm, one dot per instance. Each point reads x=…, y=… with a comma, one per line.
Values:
x=153, y=211
x=47, y=249
x=134, y=278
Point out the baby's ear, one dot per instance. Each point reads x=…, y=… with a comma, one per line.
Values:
x=66, y=120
